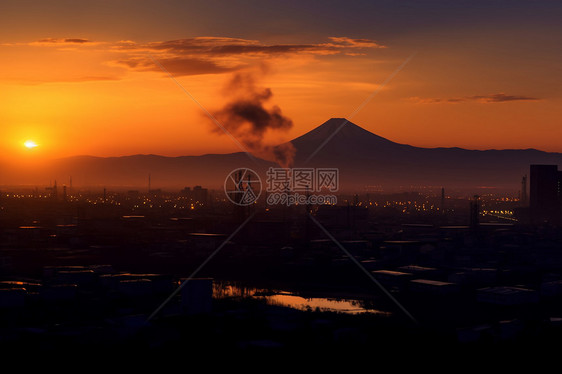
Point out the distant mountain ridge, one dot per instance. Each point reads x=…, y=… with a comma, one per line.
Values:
x=368, y=159
x=165, y=172
x=363, y=159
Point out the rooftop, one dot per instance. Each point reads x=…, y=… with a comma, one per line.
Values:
x=432, y=282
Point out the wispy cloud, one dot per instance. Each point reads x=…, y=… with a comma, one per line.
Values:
x=211, y=55
x=55, y=42
x=487, y=99
x=501, y=97
x=66, y=40
x=355, y=43
x=221, y=45
x=178, y=65
x=110, y=60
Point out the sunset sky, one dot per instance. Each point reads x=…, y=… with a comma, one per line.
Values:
x=87, y=78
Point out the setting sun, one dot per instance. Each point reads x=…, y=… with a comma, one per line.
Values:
x=30, y=144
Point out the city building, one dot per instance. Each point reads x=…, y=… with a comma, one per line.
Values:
x=545, y=194
x=198, y=195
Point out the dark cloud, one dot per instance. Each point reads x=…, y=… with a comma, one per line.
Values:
x=214, y=46
x=206, y=55
x=501, y=97
x=236, y=115
x=493, y=98
x=178, y=66
x=211, y=55
x=283, y=154
x=199, y=44
x=247, y=118
x=65, y=40
x=355, y=43
x=80, y=41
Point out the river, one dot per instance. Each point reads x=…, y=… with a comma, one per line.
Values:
x=298, y=300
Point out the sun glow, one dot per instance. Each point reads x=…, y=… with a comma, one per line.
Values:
x=30, y=144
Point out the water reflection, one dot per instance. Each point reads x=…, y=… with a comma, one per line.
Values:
x=296, y=301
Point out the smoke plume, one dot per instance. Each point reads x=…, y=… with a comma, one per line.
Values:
x=247, y=118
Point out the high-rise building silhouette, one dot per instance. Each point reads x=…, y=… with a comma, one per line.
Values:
x=545, y=200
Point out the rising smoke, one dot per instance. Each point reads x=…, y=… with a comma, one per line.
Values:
x=247, y=118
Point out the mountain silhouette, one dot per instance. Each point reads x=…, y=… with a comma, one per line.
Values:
x=364, y=159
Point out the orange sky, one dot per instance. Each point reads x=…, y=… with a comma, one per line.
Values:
x=77, y=89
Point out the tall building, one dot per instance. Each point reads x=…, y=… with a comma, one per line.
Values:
x=545, y=200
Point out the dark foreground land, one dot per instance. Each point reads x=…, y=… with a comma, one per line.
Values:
x=83, y=278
